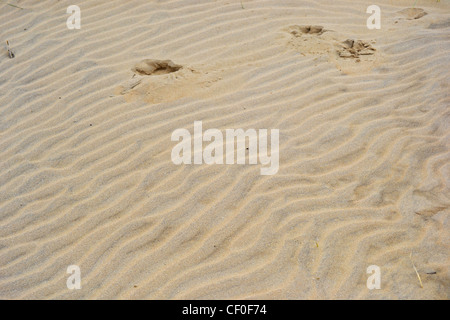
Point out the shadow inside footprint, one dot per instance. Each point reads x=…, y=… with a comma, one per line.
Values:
x=155, y=67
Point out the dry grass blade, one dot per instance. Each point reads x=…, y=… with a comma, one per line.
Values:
x=12, y=5
x=415, y=269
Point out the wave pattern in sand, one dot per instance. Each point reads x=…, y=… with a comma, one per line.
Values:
x=86, y=176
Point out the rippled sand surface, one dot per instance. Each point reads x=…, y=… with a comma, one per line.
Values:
x=86, y=176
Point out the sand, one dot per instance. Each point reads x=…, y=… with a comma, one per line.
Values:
x=86, y=176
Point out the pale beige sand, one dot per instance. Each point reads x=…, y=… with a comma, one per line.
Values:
x=86, y=176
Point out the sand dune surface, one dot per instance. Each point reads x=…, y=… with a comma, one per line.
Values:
x=86, y=176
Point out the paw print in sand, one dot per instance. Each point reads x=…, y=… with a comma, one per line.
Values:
x=355, y=49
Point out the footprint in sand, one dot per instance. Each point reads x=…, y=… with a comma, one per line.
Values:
x=355, y=49
x=297, y=31
x=308, y=39
x=157, y=81
x=316, y=40
x=413, y=13
x=148, y=67
x=155, y=67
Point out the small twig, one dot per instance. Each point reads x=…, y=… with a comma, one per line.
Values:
x=12, y=5
x=242, y=5
x=415, y=269
x=10, y=52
